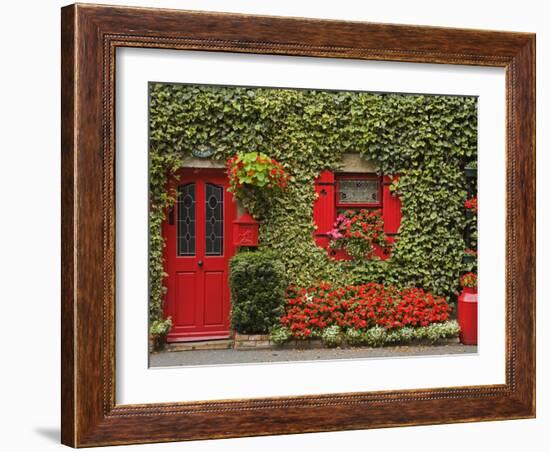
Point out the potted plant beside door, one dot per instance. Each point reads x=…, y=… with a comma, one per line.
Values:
x=157, y=333
x=467, y=309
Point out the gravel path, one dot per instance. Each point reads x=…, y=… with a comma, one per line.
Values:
x=231, y=356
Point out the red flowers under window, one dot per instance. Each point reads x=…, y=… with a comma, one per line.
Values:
x=357, y=231
x=361, y=307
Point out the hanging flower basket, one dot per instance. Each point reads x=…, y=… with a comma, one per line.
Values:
x=255, y=170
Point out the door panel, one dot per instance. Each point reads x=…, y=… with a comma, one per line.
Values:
x=185, y=313
x=197, y=252
x=213, y=298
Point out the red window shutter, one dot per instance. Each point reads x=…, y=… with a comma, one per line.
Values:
x=323, y=209
x=391, y=210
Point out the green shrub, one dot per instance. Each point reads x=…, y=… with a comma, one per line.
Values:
x=407, y=334
x=394, y=337
x=353, y=336
x=436, y=331
x=158, y=330
x=280, y=335
x=161, y=327
x=257, y=281
x=375, y=337
x=332, y=336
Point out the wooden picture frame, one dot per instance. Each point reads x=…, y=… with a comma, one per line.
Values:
x=90, y=36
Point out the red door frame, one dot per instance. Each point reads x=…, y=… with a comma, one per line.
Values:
x=198, y=296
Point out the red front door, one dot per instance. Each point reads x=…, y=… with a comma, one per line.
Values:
x=197, y=233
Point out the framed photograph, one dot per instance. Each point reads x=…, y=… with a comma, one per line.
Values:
x=281, y=225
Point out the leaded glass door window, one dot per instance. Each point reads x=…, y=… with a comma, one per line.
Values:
x=186, y=220
x=214, y=220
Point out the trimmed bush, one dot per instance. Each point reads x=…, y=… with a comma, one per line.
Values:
x=258, y=283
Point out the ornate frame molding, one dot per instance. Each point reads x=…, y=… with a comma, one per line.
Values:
x=90, y=36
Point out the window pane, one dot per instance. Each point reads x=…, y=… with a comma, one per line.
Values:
x=358, y=191
x=186, y=236
x=214, y=220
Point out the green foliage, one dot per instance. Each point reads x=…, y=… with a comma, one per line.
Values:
x=437, y=331
x=160, y=327
x=375, y=336
x=332, y=336
x=353, y=336
x=427, y=140
x=407, y=334
x=280, y=335
x=378, y=336
x=258, y=283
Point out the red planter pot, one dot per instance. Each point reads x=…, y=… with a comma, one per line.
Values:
x=467, y=316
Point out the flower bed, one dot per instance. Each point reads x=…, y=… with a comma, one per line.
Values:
x=368, y=313
x=433, y=334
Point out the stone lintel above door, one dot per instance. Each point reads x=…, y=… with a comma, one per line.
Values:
x=196, y=162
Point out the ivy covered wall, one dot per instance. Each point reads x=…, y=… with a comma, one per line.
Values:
x=427, y=140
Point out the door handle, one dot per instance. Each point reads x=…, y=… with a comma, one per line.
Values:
x=199, y=263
